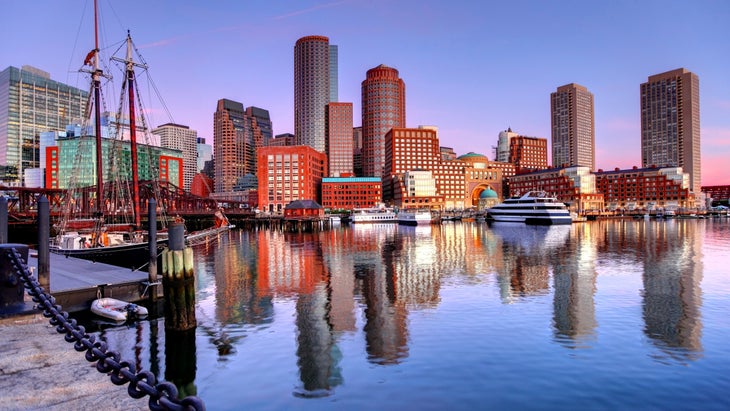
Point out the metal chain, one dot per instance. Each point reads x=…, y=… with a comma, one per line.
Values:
x=163, y=395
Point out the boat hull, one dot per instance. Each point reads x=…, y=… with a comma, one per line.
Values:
x=117, y=310
x=413, y=219
x=133, y=256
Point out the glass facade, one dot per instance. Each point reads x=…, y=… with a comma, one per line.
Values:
x=30, y=104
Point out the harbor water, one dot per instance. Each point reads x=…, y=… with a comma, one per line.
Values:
x=615, y=314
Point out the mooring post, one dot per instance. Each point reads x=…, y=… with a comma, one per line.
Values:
x=3, y=219
x=178, y=280
x=152, y=245
x=44, y=238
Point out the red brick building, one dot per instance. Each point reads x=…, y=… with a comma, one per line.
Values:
x=528, y=153
x=717, y=193
x=346, y=193
x=645, y=188
x=287, y=174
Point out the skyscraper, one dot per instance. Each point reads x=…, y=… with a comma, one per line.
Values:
x=311, y=90
x=334, y=68
x=32, y=103
x=383, y=108
x=670, y=123
x=181, y=138
x=236, y=134
x=339, y=139
x=573, y=126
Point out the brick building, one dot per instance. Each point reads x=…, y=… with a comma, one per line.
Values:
x=645, y=188
x=575, y=186
x=289, y=173
x=346, y=193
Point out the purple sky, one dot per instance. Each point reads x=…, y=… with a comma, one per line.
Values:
x=471, y=68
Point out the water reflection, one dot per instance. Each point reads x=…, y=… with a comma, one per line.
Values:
x=672, y=297
x=362, y=285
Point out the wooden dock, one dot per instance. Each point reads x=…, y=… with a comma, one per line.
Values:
x=75, y=283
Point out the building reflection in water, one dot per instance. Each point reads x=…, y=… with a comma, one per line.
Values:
x=574, y=283
x=672, y=295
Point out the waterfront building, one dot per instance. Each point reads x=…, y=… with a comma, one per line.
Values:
x=32, y=103
x=645, y=188
x=458, y=182
x=528, y=153
x=237, y=135
x=311, y=90
x=383, y=108
x=289, y=173
x=63, y=170
x=346, y=193
x=575, y=186
x=670, y=123
x=281, y=140
x=338, y=138
x=717, y=193
x=508, y=170
x=205, y=154
x=179, y=137
x=573, y=127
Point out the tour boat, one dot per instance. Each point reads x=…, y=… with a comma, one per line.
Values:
x=117, y=310
x=414, y=217
x=534, y=207
x=372, y=215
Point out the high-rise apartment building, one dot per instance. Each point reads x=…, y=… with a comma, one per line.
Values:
x=311, y=90
x=670, y=123
x=261, y=124
x=339, y=139
x=573, y=126
x=237, y=135
x=179, y=137
x=32, y=103
x=383, y=108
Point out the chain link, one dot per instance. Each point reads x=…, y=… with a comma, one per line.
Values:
x=163, y=395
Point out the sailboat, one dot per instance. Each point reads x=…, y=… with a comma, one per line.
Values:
x=94, y=225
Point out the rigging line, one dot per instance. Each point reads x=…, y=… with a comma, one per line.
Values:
x=76, y=42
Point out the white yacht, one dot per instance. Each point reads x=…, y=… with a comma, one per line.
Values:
x=414, y=217
x=372, y=215
x=535, y=207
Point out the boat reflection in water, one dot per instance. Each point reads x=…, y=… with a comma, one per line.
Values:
x=395, y=316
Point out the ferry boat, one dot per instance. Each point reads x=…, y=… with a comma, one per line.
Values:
x=414, y=217
x=534, y=207
x=372, y=215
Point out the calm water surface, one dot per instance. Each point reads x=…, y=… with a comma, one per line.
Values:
x=602, y=315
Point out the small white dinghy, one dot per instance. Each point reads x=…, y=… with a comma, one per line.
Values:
x=117, y=310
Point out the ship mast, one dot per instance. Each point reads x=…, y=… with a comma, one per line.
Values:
x=133, y=132
x=96, y=81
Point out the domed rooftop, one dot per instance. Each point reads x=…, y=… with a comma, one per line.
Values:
x=488, y=193
x=472, y=156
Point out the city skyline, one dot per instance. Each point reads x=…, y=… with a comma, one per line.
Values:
x=473, y=70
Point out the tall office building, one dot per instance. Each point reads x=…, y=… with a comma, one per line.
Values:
x=205, y=154
x=339, y=139
x=236, y=135
x=383, y=108
x=311, y=90
x=261, y=124
x=670, y=123
x=181, y=138
x=32, y=103
x=573, y=127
